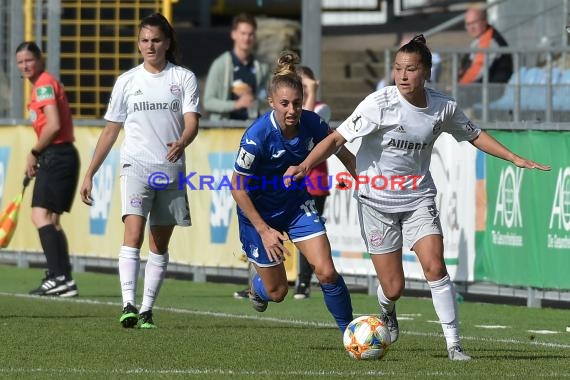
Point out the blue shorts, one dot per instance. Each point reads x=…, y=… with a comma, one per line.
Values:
x=301, y=224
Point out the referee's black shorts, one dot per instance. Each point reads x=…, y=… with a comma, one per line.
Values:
x=56, y=178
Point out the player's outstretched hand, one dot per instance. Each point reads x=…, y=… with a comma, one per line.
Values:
x=529, y=164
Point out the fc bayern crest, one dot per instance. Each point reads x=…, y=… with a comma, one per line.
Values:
x=175, y=89
x=376, y=238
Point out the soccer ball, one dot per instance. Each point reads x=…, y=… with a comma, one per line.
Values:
x=366, y=338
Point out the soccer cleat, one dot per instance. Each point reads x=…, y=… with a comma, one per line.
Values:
x=256, y=302
x=242, y=294
x=457, y=353
x=70, y=290
x=391, y=321
x=146, y=321
x=302, y=292
x=50, y=286
x=129, y=318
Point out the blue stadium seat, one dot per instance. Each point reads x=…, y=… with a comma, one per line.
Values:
x=534, y=88
x=561, y=96
x=507, y=101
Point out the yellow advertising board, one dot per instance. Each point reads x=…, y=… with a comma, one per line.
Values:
x=97, y=231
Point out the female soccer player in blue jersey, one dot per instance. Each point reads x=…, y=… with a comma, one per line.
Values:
x=267, y=209
x=398, y=126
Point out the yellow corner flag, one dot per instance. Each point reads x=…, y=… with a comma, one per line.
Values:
x=9, y=217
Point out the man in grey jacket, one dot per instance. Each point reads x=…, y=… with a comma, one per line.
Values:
x=235, y=85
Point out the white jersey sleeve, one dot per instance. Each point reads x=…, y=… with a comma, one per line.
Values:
x=461, y=128
x=365, y=119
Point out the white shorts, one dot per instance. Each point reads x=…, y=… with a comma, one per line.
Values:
x=385, y=232
x=167, y=207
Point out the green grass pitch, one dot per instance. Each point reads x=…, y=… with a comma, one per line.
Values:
x=203, y=332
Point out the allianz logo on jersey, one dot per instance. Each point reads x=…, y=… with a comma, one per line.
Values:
x=405, y=144
x=221, y=207
x=102, y=193
x=4, y=158
x=173, y=106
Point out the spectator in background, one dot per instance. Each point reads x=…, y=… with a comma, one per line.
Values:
x=485, y=37
x=54, y=161
x=435, y=69
x=319, y=175
x=154, y=143
x=235, y=85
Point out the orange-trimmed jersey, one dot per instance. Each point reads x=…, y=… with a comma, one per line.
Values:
x=48, y=91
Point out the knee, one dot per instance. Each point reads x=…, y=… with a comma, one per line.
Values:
x=278, y=293
x=393, y=289
x=326, y=274
x=435, y=271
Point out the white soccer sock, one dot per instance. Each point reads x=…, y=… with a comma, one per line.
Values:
x=386, y=305
x=443, y=298
x=153, y=277
x=129, y=265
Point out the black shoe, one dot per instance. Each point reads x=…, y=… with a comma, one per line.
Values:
x=70, y=290
x=302, y=292
x=242, y=294
x=50, y=286
x=130, y=316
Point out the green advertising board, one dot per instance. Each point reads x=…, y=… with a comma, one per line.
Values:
x=526, y=241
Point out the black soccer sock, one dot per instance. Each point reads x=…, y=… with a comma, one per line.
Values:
x=49, y=238
x=64, y=260
x=305, y=270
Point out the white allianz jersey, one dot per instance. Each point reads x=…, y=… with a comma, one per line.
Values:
x=151, y=108
x=397, y=142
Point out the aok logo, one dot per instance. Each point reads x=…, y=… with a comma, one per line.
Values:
x=102, y=194
x=221, y=164
x=560, y=211
x=4, y=158
x=507, y=206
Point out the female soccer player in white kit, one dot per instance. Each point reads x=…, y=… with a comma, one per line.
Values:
x=157, y=103
x=398, y=126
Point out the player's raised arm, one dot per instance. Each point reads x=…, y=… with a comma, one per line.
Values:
x=323, y=150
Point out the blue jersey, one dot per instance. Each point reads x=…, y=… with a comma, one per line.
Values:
x=265, y=155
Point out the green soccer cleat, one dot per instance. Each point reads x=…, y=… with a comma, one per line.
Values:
x=129, y=318
x=146, y=321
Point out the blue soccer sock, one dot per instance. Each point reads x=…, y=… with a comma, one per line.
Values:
x=258, y=288
x=337, y=299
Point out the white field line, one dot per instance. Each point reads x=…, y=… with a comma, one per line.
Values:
x=293, y=322
x=254, y=374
